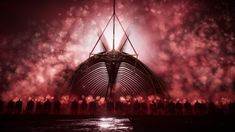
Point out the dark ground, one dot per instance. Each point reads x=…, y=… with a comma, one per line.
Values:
x=70, y=123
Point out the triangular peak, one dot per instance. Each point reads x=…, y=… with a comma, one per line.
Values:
x=124, y=39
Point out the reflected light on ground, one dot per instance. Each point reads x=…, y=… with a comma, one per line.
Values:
x=107, y=124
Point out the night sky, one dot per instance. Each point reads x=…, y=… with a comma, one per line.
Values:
x=189, y=43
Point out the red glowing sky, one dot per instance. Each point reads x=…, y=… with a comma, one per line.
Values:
x=181, y=41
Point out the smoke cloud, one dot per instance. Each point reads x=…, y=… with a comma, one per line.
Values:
x=189, y=43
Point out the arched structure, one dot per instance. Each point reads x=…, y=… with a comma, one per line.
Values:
x=114, y=74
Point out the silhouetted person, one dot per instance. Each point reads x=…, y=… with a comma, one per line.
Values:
x=203, y=108
x=84, y=106
x=30, y=106
x=57, y=107
x=110, y=106
x=231, y=107
x=211, y=108
x=197, y=107
x=1, y=106
x=119, y=107
x=18, y=107
x=160, y=108
x=136, y=107
x=47, y=107
x=188, y=107
x=220, y=111
x=178, y=107
x=39, y=107
x=153, y=107
x=171, y=107
x=92, y=106
x=10, y=107
x=74, y=107
x=127, y=107
x=143, y=107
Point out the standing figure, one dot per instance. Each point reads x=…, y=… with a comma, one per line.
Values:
x=18, y=107
x=197, y=108
x=231, y=108
x=47, y=107
x=1, y=106
x=119, y=107
x=39, y=107
x=178, y=107
x=187, y=108
x=74, y=107
x=10, y=107
x=57, y=107
x=84, y=106
x=110, y=106
x=30, y=106
x=153, y=107
x=92, y=107
x=171, y=108
x=136, y=107
x=161, y=108
x=211, y=108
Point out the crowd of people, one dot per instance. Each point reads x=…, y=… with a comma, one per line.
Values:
x=123, y=106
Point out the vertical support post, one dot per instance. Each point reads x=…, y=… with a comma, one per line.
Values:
x=114, y=15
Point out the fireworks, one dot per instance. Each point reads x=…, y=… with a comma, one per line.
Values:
x=176, y=39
